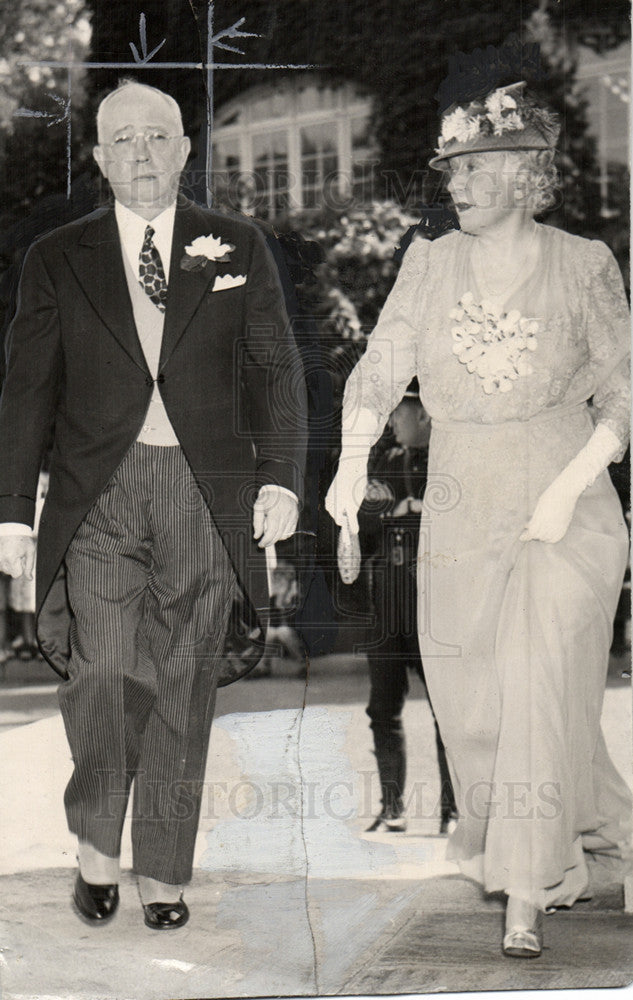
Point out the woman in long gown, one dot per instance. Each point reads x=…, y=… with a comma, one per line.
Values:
x=511, y=327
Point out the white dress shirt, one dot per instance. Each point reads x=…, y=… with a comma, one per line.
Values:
x=132, y=233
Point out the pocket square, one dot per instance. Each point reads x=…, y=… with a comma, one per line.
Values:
x=228, y=281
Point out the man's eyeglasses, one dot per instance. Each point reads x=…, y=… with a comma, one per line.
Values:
x=155, y=138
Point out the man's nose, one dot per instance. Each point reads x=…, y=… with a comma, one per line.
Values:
x=141, y=147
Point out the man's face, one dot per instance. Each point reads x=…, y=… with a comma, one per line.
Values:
x=141, y=151
x=409, y=425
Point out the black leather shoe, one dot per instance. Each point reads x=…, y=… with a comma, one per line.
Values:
x=388, y=824
x=166, y=916
x=95, y=903
x=448, y=816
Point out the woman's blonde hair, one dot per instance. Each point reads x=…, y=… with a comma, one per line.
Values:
x=538, y=176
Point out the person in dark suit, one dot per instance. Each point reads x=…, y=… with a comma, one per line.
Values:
x=151, y=338
x=389, y=522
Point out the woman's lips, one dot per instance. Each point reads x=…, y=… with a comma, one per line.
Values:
x=462, y=206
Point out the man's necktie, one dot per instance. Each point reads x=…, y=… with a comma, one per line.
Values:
x=150, y=270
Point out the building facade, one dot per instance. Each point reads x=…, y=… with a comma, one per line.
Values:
x=304, y=143
x=292, y=146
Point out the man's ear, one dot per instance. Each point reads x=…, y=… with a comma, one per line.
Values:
x=185, y=146
x=99, y=156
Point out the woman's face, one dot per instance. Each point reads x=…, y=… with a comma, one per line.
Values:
x=483, y=187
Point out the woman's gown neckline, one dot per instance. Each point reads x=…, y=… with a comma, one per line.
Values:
x=503, y=302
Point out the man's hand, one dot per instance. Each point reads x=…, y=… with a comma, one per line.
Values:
x=378, y=492
x=410, y=505
x=17, y=555
x=275, y=515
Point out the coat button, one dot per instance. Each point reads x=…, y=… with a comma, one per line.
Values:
x=149, y=380
x=160, y=379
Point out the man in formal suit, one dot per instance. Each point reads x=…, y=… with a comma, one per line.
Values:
x=150, y=340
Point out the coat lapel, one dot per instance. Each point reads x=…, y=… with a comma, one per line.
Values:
x=97, y=264
x=186, y=288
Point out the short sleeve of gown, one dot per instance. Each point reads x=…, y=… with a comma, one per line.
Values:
x=608, y=337
x=379, y=380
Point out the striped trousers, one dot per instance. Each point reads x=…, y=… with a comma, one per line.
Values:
x=150, y=587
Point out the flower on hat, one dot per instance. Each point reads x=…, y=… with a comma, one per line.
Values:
x=502, y=112
x=460, y=125
x=499, y=101
x=499, y=113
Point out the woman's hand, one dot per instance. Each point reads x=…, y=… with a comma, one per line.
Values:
x=347, y=491
x=555, y=507
x=553, y=513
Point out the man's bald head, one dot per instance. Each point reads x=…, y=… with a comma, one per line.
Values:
x=127, y=93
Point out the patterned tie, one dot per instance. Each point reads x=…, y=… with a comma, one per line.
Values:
x=151, y=273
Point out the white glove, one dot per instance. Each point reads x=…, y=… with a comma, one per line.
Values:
x=347, y=492
x=17, y=555
x=552, y=514
x=555, y=507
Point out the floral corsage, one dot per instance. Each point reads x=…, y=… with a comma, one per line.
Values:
x=494, y=345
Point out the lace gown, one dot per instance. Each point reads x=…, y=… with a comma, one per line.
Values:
x=515, y=635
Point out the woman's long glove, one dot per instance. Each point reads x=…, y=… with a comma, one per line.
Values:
x=347, y=490
x=555, y=507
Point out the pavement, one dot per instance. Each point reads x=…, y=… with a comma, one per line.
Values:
x=289, y=897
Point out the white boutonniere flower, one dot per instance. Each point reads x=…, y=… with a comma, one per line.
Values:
x=210, y=247
x=204, y=249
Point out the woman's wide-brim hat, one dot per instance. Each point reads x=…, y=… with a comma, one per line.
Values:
x=503, y=120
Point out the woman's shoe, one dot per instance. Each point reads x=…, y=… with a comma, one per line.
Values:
x=524, y=929
x=523, y=942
